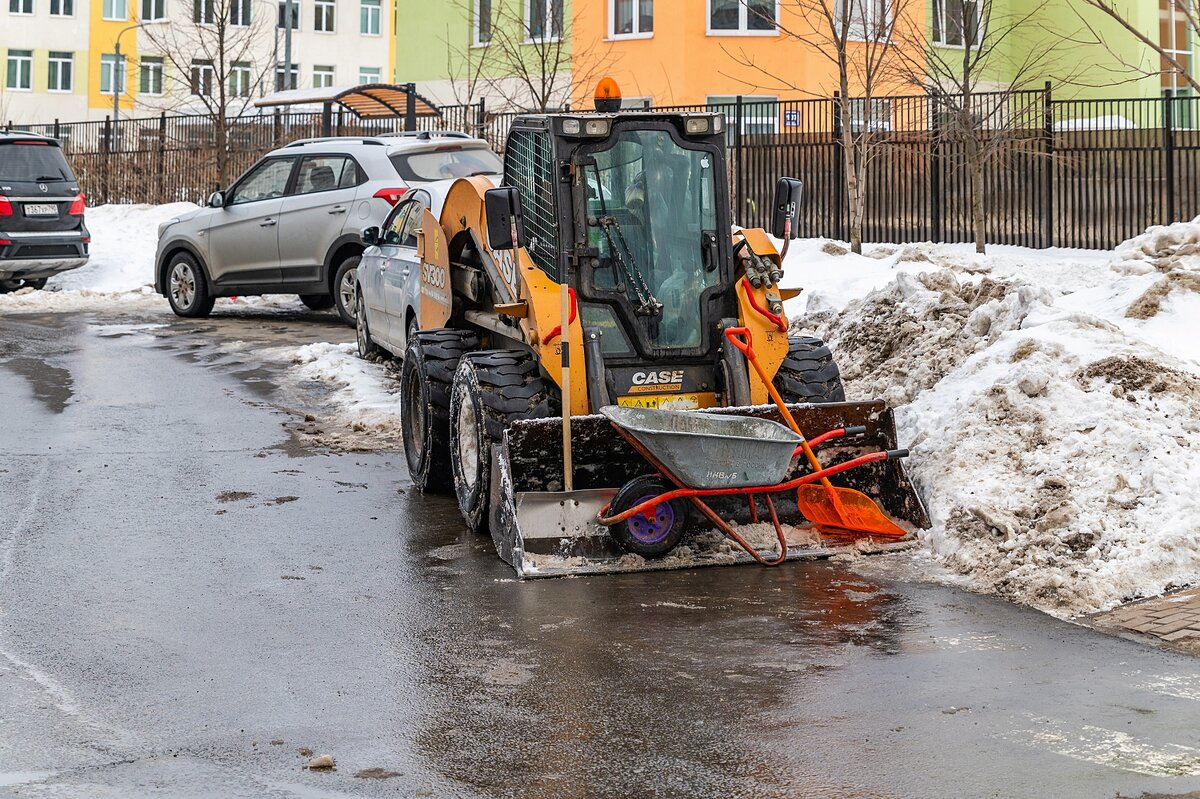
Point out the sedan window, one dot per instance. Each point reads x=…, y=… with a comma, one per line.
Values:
x=395, y=224
x=266, y=181
x=408, y=233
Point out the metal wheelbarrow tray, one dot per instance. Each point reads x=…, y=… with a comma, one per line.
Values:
x=542, y=531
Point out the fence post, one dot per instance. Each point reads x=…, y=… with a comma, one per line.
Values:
x=327, y=119
x=737, y=163
x=481, y=119
x=56, y=130
x=276, y=127
x=839, y=169
x=1169, y=150
x=1048, y=171
x=106, y=156
x=935, y=171
x=410, y=107
x=160, y=157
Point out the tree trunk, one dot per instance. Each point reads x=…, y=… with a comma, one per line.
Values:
x=977, y=213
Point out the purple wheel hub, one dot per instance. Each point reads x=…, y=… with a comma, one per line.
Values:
x=651, y=531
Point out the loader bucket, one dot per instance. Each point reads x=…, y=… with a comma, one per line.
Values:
x=542, y=531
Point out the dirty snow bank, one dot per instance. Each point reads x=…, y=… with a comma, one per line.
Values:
x=1051, y=400
x=363, y=391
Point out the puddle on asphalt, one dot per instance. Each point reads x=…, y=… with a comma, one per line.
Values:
x=52, y=386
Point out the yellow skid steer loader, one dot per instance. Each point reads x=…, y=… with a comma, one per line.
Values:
x=602, y=274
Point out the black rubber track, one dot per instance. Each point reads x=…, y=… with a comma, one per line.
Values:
x=435, y=355
x=808, y=373
x=507, y=386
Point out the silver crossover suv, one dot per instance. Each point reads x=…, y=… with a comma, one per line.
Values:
x=291, y=224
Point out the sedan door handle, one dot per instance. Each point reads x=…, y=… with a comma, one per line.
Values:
x=267, y=223
x=338, y=209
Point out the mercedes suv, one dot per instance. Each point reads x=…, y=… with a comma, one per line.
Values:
x=41, y=212
x=292, y=223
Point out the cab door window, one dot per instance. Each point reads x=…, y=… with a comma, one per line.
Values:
x=267, y=181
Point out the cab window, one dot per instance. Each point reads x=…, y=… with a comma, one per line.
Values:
x=266, y=181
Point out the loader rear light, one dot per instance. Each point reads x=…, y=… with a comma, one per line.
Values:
x=391, y=196
x=78, y=205
x=5, y=206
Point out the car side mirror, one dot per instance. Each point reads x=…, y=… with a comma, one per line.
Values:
x=370, y=236
x=505, y=221
x=785, y=213
x=216, y=199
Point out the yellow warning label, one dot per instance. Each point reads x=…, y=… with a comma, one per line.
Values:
x=669, y=402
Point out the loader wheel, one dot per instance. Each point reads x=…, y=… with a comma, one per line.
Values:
x=425, y=382
x=492, y=389
x=808, y=373
x=650, y=537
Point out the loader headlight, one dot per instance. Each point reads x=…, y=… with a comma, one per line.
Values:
x=582, y=126
x=698, y=125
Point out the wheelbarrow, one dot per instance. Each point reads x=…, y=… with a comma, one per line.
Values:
x=698, y=456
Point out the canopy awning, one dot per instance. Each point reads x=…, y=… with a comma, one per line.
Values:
x=368, y=101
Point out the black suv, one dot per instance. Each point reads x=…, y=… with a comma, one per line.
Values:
x=41, y=212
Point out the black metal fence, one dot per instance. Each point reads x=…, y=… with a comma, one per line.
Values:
x=1075, y=173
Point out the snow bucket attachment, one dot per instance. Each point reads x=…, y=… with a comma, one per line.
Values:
x=543, y=531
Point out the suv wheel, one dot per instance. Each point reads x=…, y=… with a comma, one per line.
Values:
x=344, y=282
x=187, y=287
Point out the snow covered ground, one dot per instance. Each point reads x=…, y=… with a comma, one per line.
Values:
x=1051, y=400
x=121, y=267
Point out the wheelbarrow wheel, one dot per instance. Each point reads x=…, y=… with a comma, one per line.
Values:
x=654, y=536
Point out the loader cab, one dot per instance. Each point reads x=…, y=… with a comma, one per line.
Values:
x=633, y=207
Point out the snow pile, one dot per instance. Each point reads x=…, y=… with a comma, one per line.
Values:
x=121, y=266
x=363, y=392
x=1052, y=423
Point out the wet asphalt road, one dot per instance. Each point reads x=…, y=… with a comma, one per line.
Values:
x=190, y=595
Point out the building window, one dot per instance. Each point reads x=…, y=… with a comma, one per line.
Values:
x=369, y=74
x=62, y=8
x=239, y=79
x=20, y=6
x=759, y=114
x=239, y=13
x=630, y=18
x=368, y=17
x=283, y=10
x=872, y=19
x=483, y=22
x=154, y=10
x=323, y=16
x=322, y=77
x=203, y=12
x=115, y=9
x=62, y=71
x=150, y=75
x=280, y=74
x=108, y=66
x=957, y=22
x=1173, y=29
x=20, y=70
x=878, y=120
x=202, y=78
x=543, y=20
x=744, y=17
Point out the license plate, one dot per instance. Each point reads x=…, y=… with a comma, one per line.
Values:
x=41, y=209
x=664, y=402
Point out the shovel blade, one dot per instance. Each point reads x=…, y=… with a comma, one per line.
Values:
x=853, y=511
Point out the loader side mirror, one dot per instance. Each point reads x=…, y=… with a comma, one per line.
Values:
x=370, y=236
x=785, y=213
x=505, y=221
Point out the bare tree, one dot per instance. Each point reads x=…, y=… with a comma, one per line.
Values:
x=222, y=55
x=467, y=60
x=859, y=39
x=980, y=72
x=532, y=64
x=1169, y=62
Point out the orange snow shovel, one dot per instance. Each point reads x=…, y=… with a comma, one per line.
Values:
x=823, y=504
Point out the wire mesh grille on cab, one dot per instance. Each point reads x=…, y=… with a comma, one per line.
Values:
x=529, y=166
